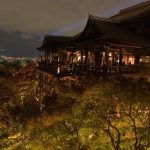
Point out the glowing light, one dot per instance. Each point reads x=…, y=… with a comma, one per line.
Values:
x=145, y=59
x=103, y=54
x=58, y=70
x=141, y=60
x=79, y=58
x=131, y=60
x=84, y=58
x=110, y=54
x=37, y=99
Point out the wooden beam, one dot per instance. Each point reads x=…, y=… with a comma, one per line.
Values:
x=123, y=46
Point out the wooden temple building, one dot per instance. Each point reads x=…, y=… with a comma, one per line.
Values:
x=111, y=45
x=106, y=46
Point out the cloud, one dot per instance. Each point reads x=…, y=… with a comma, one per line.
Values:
x=14, y=44
x=46, y=16
x=76, y=27
x=24, y=22
x=2, y=50
x=26, y=36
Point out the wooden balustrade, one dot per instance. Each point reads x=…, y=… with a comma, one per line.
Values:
x=67, y=69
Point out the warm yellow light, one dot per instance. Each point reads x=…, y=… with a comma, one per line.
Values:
x=83, y=57
x=58, y=70
x=79, y=58
x=131, y=60
x=110, y=54
x=103, y=54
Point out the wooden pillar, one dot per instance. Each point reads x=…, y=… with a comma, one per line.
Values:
x=58, y=56
x=137, y=58
x=120, y=57
x=45, y=56
x=82, y=52
x=50, y=56
x=113, y=58
x=105, y=62
x=106, y=56
x=101, y=58
x=72, y=50
x=97, y=57
x=120, y=60
x=86, y=55
x=68, y=57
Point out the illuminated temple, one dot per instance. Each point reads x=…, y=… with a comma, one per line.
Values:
x=106, y=46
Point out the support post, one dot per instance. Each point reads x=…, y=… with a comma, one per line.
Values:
x=105, y=63
x=50, y=56
x=58, y=56
x=45, y=56
x=97, y=57
x=113, y=58
x=120, y=60
x=72, y=50
x=106, y=56
x=120, y=57
x=86, y=55
x=82, y=52
x=137, y=58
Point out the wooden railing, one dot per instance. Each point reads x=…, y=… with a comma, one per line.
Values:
x=67, y=69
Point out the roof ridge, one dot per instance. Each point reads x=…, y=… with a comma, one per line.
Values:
x=128, y=10
x=93, y=17
x=96, y=17
x=135, y=6
x=47, y=35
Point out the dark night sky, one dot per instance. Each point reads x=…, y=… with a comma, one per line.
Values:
x=24, y=22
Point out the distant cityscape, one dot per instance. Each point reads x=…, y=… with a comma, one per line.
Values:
x=10, y=59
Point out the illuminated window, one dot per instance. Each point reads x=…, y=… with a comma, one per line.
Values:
x=131, y=60
x=145, y=59
x=110, y=56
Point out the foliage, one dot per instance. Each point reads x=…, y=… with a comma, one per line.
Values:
x=107, y=115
